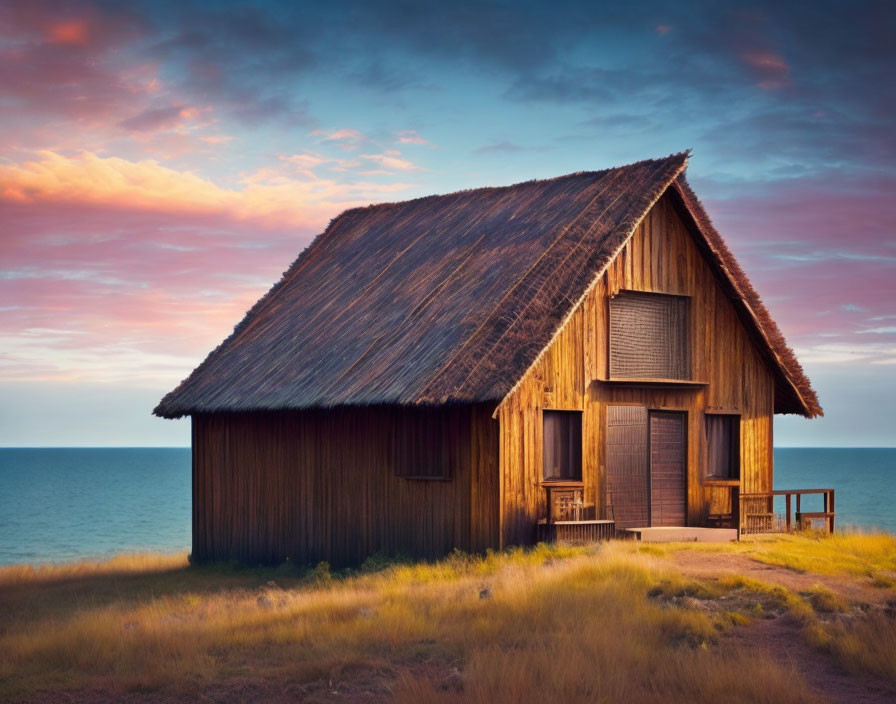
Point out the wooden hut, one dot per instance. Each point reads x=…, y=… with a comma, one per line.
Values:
x=448, y=372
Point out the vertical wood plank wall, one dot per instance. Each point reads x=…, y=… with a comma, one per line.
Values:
x=321, y=485
x=662, y=256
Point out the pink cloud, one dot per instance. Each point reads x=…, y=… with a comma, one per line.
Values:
x=217, y=139
x=391, y=160
x=348, y=139
x=765, y=60
x=338, y=135
x=82, y=305
x=411, y=137
x=117, y=269
x=72, y=32
x=306, y=161
x=269, y=197
x=856, y=215
x=144, y=336
x=770, y=69
x=47, y=80
x=71, y=77
x=820, y=253
x=57, y=58
x=153, y=119
x=73, y=24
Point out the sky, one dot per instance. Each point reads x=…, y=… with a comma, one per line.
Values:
x=161, y=164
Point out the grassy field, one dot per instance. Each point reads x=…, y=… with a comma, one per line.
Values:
x=619, y=621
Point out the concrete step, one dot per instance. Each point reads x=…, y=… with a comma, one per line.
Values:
x=684, y=534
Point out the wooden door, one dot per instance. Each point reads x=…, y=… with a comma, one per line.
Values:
x=646, y=467
x=626, y=468
x=668, y=465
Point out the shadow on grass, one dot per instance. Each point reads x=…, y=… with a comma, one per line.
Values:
x=33, y=593
x=61, y=594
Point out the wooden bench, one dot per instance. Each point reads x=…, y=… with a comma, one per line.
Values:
x=804, y=519
x=721, y=520
x=575, y=532
x=756, y=508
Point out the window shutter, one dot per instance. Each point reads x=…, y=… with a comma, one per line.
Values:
x=649, y=336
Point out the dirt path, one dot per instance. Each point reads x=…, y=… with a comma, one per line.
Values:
x=706, y=565
x=780, y=638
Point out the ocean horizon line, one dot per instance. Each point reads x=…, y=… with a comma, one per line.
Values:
x=187, y=447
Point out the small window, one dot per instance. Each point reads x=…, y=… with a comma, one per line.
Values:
x=723, y=446
x=562, y=446
x=429, y=443
x=649, y=336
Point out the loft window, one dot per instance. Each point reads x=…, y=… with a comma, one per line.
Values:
x=649, y=336
x=562, y=446
x=723, y=446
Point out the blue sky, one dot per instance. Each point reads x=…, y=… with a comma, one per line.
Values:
x=162, y=163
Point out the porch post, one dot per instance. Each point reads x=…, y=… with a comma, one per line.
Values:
x=787, y=502
x=831, y=509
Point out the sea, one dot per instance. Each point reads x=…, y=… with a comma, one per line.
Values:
x=66, y=504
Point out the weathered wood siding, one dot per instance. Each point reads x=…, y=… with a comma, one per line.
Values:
x=662, y=256
x=321, y=485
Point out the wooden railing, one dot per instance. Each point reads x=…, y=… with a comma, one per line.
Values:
x=575, y=532
x=569, y=519
x=757, y=511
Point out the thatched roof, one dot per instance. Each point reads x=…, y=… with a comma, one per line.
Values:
x=447, y=299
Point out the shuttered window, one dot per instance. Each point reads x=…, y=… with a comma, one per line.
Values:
x=723, y=446
x=562, y=445
x=649, y=336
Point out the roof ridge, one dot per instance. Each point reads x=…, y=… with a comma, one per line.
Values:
x=465, y=191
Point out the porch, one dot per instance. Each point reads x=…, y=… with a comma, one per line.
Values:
x=570, y=520
x=761, y=512
x=683, y=534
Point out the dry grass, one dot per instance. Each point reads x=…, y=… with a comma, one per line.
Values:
x=865, y=643
x=855, y=554
x=581, y=624
x=136, y=564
